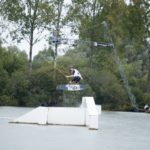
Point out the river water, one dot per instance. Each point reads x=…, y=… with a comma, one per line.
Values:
x=117, y=131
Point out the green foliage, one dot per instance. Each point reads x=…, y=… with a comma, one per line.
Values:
x=43, y=82
x=127, y=26
x=108, y=90
x=7, y=100
x=13, y=64
x=43, y=57
x=18, y=87
x=14, y=60
x=146, y=98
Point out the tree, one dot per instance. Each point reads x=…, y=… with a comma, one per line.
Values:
x=28, y=18
x=44, y=56
x=84, y=16
x=56, y=25
x=13, y=64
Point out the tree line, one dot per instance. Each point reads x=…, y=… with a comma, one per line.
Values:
x=118, y=76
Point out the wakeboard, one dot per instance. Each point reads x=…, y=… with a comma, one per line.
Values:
x=71, y=87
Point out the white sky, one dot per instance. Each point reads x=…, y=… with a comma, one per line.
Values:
x=24, y=45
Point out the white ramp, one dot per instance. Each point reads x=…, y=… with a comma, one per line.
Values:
x=91, y=114
x=66, y=116
x=87, y=114
x=36, y=116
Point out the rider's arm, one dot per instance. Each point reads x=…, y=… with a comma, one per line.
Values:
x=70, y=76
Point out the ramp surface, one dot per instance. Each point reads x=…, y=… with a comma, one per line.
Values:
x=86, y=115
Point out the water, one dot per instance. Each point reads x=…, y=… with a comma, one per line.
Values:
x=117, y=131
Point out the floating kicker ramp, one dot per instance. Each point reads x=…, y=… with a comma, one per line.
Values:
x=85, y=115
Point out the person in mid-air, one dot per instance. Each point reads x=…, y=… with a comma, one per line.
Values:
x=74, y=75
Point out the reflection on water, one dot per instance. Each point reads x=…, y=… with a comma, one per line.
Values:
x=117, y=131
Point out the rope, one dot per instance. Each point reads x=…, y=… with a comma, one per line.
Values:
x=62, y=72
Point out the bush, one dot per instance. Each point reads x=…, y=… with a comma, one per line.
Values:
x=146, y=98
x=6, y=100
